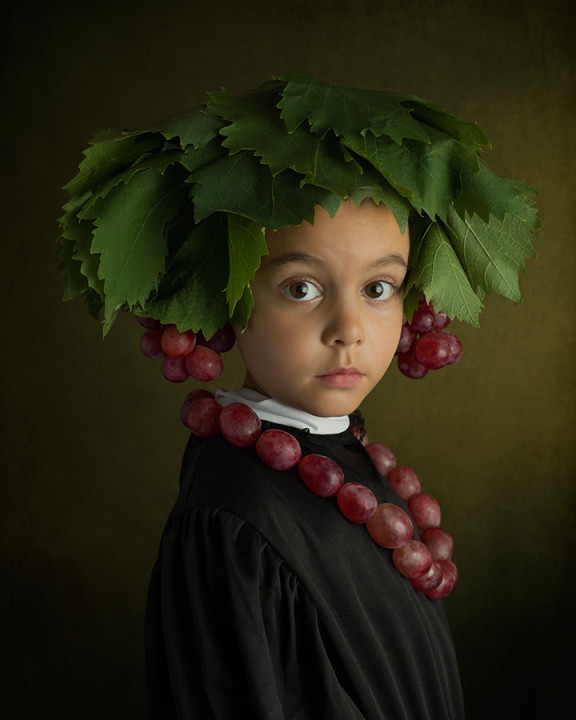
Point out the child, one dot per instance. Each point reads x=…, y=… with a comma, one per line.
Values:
x=269, y=598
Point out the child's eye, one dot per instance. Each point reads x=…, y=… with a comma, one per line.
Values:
x=301, y=290
x=380, y=290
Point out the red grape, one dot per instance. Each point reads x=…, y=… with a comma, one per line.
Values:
x=189, y=399
x=423, y=319
x=382, y=457
x=404, y=481
x=356, y=502
x=449, y=578
x=432, y=350
x=239, y=424
x=425, y=510
x=202, y=417
x=359, y=433
x=177, y=344
x=322, y=476
x=150, y=344
x=412, y=559
x=441, y=320
x=409, y=366
x=406, y=338
x=174, y=369
x=390, y=526
x=430, y=580
x=278, y=449
x=455, y=348
x=204, y=364
x=439, y=542
x=149, y=323
x=222, y=341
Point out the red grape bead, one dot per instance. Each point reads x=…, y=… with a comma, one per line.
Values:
x=202, y=417
x=356, y=502
x=423, y=319
x=430, y=580
x=441, y=320
x=149, y=323
x=412, y=559
x=439, y=542
x=406, y=339
x=449, y=578
x=382, y=457
x=409, y=366
x=174, y=369
x=189, y=399
x=240, y=425
x=177, y=344
x=404, y=481
x=359, y=433
x=432, y=350
x=204, y=364
x=150, y=344
x=425, y=510
x=390, y=526
x=455, y=348
x=322, y=476
x=278, y=449
x=222, y=341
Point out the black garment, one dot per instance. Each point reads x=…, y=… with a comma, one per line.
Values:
x=266, y=603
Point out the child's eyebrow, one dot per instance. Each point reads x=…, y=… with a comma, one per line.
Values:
x=392, y=259
x=271, y=263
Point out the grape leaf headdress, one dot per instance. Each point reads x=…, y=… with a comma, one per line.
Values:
x=170, y=221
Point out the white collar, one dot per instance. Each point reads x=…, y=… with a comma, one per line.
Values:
x=273, y=411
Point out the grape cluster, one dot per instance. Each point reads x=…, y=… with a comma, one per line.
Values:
x=427, y=563
x=185, y=354
x=425, y=344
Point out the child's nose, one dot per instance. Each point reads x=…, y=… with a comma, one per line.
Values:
x=343, y=325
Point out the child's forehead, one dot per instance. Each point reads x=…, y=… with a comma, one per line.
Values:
x=367, y=234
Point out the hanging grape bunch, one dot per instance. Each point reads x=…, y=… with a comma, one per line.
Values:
x=185, y=354
x=425, y=344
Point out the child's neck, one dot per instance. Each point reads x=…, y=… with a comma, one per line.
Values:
x=272, y=410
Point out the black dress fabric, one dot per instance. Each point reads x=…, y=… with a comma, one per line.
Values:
x=267, y=603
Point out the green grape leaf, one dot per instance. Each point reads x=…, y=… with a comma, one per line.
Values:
x=195, y=159
x=370, y=184
x=256, y=125
x=192, y=294
x=129, y=235
x=71, y=268
x=441, y=277
x=438, y=118
x=246, y=245
x=485, y=193
x=195, y=129
x=335, y=168
x=427, y=175
x=159, y=163
x=411, y=298
x=108, y=154
x=492, y=253
x=345, y=110
x=243, y=186
x=243, y=309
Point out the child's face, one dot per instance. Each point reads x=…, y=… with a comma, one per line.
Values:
x=327, y=309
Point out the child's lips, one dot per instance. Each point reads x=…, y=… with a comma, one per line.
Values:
x=342, y=377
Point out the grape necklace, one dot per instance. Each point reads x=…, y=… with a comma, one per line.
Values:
x=427, y=563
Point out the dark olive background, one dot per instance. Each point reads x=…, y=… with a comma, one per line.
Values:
x=91, y=440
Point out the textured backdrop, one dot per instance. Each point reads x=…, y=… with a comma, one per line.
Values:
x=91, y=441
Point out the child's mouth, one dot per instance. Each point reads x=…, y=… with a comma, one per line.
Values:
x=342, y=378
